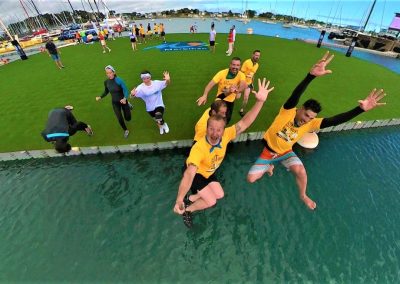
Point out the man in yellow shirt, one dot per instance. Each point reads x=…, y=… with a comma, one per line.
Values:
x=292, y=123
x=142, y=33
x=230, y=82
x=218, y=107
x=207, y=155
x=249, y=68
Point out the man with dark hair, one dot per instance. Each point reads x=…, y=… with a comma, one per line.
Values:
x=61, y=124
x=54, y=53
x=292, y=123
x=231, y=81
x=249, y=68
x=207, y=155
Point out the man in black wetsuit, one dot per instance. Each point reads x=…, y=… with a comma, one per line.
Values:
x=119, y=93
x=292, y=123
x=61, y=124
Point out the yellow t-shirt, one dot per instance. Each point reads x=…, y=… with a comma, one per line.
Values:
x=249, y=69
x=201, y=126
x=224, y=83
x=282, y=133
x=141, y=30
x=207, y=161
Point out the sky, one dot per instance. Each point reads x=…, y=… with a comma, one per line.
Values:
x=336, y=11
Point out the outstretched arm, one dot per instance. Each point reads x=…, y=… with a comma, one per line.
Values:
x=370, y=102
x=203, y=99
x=316, y=71
x=261, y=97
x=167, y=78
x=184, y=187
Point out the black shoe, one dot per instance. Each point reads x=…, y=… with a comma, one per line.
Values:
x=187, y=201
x=187, y=219
x=241, y=112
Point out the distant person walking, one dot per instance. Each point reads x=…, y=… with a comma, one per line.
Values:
x=119, y=97
x=61, y=124
x=103, y=43
x=233, y=36
x=111, y=33
x=137, y=33
x=230, y=43
x=150, y=92
x=132, y=37
x=162, y=29
x=213, y=35
x=54, y=53
x=142, y=33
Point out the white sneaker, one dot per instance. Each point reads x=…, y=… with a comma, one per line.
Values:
x=126, y=133
x=109, y=50
x=161, y=129
x=165, y=127
x=104, y=51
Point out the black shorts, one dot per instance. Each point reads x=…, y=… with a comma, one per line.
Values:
x=162, y=33
x=157, y=109
x=143, y=36
x=212, y=43
x=200, y=182
x=133, y=39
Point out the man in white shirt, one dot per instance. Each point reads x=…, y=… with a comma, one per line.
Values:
x=213, y=34
x=150, y=92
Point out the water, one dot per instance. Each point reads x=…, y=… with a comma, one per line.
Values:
x=109, y=218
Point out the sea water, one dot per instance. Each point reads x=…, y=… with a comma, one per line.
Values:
x=109, y=218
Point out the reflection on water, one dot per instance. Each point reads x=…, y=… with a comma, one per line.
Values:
x=109, y=218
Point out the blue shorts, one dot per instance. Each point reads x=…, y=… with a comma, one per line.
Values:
x=55, y=57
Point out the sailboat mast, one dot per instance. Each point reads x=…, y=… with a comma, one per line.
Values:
x=369, y=15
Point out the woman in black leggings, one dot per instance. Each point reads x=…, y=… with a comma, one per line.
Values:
x=119, y=93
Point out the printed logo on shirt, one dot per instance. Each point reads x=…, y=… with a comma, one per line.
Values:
x=288, y=132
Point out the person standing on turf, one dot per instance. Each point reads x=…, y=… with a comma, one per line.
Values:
x=54, y=53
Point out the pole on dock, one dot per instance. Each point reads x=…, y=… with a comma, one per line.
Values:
x=321, y=38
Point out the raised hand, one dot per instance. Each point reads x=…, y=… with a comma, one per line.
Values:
x=319, y=68
x=372, y=101
x=166, y=76
x=263, y=90
x=133, y=92
x=202, y=100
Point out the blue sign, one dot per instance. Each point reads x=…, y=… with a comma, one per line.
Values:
x=180, y=46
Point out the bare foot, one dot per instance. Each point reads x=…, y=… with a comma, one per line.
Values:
x=270, y=170
x=310, y=203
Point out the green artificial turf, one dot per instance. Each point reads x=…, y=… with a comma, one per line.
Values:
x=30, y=89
